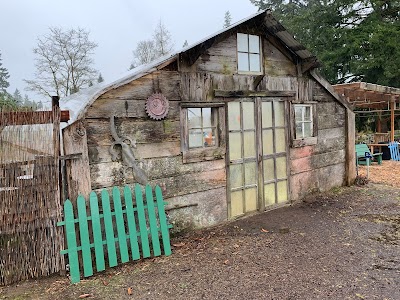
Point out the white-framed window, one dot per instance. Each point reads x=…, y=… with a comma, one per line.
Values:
x=202, y=131
x=248, y=53
x=202, y=127
x=304, y=123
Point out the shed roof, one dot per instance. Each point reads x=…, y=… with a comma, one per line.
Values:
x=79, y=102
x=368, y=95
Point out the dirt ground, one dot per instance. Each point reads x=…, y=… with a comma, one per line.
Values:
x=387, y=173
x=344, y=244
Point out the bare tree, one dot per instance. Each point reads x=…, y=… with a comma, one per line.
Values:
x=144, y=53
x=63, y=62
x=148, y=50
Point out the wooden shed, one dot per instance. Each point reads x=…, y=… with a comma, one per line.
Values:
x=237, y=123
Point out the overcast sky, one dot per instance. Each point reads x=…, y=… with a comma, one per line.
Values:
x=115, y=25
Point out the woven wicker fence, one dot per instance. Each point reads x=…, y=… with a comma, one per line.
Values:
x=30, y=241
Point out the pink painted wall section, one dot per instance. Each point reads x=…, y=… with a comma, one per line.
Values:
x=300, y=165
x=301, y=184
x=301, y=152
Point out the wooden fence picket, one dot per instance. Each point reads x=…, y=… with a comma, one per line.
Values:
x=150, y=218
x=109, y=229
x=163, y=222
x=71, y=241
x=119, y=218
x=153, y=221
x=142, y=222
x=96, y=230
x=131, y=223
x=84, y=237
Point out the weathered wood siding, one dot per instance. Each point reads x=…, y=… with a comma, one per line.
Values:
x=77, y=169
x=202, y=185
x=322, y=166
x=158, y=148
x=221, y=58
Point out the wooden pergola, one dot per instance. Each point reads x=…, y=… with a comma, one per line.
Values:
x=377, y=98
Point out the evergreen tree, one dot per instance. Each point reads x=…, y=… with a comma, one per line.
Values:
x=4, y=84
x=100, y=78
x=17, y=97
x=353, y=39
x=185, y=44
x=227, y=19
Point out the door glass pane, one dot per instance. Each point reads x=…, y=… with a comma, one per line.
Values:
x=234, y=115
x=236, y=176
x=236, y=203
x=250, y=173
x=268, y=140
x=195, y=138
x=254, y=44
x=243, y=61
x=282, y=191
x=251, y=199
x=280, y=140
x=249, y=144
x=242, y=42
x=248, y=115
x=209, y=137
x=266, y=114
x=255, y=65
x=235, y=145
x=269, y=194
x=307, y=129
x=269, y=173
x=279, y=109
x=194, y=117
x=207, y=117
x=281, y=167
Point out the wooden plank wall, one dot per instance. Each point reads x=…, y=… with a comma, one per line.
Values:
x=158, y=146
x=221, y=58
x=158, y=142
x=78, y=173
x=322, y=166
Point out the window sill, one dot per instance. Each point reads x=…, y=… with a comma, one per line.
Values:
x=250, y=73
x=203, y=154
x=305, y=142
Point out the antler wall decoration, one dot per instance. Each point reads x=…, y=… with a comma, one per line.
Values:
x=128, y=157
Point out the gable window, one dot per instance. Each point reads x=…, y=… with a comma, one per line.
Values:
x=249, y=53
x=304, y=124
x=202, y=131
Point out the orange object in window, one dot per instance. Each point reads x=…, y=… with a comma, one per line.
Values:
x=208, y=139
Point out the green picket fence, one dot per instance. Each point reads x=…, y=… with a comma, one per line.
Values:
x=128, y=234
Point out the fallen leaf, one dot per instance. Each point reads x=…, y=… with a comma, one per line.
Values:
x=130, y=291
x=85, y=296
x=105, y=282
x=360, y=296
x=179, y=245
x=264, y=230
x=226, y=262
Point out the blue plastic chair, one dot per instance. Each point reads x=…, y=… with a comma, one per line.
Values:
x=394, y=150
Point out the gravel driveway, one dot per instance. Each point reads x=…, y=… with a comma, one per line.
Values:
x=339, y=245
